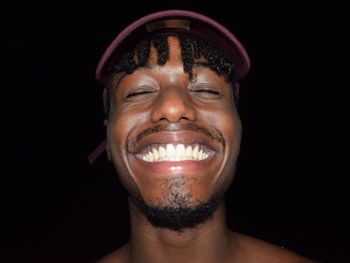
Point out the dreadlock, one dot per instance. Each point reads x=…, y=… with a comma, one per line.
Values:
x=191, y=48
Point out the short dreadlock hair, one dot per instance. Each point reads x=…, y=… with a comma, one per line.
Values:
x=191, y=48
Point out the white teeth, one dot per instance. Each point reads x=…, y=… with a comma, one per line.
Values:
x=195, y=152
x=175, y=153
x=180, y=150
x=188, y=152
x=162, y=152
x=170, y=150
x=155, y=154
x=150, y=157
x=200, y=154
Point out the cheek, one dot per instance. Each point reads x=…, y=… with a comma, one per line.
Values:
x=115, y=144
x=228, y=123
x=231, y=128
x=121, y=124
x=226, y=120
x=115, y=133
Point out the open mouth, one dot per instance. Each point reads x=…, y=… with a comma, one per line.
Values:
x=175, y=152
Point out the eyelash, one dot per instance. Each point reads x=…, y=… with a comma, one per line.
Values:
x=207, y=90
x=132, y=94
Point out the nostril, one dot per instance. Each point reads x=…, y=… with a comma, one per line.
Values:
x=173, y=106
x=173, y=115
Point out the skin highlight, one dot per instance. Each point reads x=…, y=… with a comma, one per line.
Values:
x=159, y=105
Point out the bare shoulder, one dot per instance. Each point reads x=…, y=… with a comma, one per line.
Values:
x=117, y=256
x=255, y=250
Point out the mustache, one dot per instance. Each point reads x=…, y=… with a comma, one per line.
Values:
x=213, y=134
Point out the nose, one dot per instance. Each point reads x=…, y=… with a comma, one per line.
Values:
x=173, y=104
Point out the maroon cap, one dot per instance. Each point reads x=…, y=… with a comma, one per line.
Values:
x=176, y=21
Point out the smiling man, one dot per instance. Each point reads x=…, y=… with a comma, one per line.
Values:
x=173, y=135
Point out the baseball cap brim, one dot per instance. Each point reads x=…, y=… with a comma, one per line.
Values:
x=176, y=21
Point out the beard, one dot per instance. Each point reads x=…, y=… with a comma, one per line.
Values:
x=179, y=216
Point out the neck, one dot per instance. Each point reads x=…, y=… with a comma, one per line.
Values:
x=208, y=242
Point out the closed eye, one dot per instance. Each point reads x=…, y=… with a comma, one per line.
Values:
x=206, y=92
x=138, y=93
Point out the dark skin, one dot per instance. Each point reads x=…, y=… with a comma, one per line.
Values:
x=165, y=96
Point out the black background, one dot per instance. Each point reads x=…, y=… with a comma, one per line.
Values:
x=290, y=185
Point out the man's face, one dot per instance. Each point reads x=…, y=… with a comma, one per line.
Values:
x=174, y=141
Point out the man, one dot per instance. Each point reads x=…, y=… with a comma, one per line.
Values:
x=173, y=135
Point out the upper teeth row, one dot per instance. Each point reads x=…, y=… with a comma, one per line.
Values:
x=175, y=153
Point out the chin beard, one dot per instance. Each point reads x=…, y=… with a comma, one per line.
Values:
x=179, y=217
